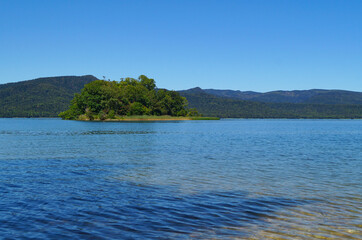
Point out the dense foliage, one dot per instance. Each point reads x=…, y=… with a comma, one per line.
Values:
x=107, y=99
x=214, y=106
x=42, y=97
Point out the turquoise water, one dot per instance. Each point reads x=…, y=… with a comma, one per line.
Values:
x=227, y=179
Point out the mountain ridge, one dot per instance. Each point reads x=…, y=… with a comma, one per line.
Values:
x=48, y=96
x=41, y=97
x=215, y=106
x=312, y=96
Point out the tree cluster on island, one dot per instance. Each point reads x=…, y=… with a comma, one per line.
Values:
x=101, y=100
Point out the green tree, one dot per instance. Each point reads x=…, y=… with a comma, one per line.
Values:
x=147, y=82
x=106, y=99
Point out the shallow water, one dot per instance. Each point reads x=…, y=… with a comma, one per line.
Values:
x=227, y=179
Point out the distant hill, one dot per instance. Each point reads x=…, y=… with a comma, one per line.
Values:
x=47, y=97
x=316, y=96
x=42, y=97
x=227, y=107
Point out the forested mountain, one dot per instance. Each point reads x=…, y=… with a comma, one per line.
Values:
x=47, y=97
x=214, y=106
x=42, y=97
x=316, y=96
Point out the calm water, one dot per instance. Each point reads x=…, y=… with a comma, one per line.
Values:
x=228, y=179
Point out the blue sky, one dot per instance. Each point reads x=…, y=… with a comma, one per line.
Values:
x=242, y=45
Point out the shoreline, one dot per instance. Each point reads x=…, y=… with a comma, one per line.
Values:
x=147, y=119
x=186, y=118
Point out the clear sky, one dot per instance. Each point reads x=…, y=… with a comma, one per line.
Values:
x=241, y=45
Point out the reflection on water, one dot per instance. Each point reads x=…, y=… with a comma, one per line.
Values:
x=241, y=179
x=112, y=132
x=64, y=133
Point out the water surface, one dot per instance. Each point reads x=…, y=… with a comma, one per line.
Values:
x=227, y=179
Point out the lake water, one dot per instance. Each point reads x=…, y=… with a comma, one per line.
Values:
x=227, y=179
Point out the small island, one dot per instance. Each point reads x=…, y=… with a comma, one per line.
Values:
x=129, y=100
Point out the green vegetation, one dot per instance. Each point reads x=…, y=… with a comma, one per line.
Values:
x=42, y=97
x=214, y=106
x=47, y=97
x=103, y=100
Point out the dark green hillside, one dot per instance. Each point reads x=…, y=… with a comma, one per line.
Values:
x=235, y=94
x=47, y=97
x=336, y=97
x=211, y=105
x=42, y=97
x=317, y=96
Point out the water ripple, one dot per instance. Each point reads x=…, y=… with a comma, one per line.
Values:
x=72, y=133
x=257, y=179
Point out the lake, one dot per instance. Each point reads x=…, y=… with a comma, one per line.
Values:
x=227, y=179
